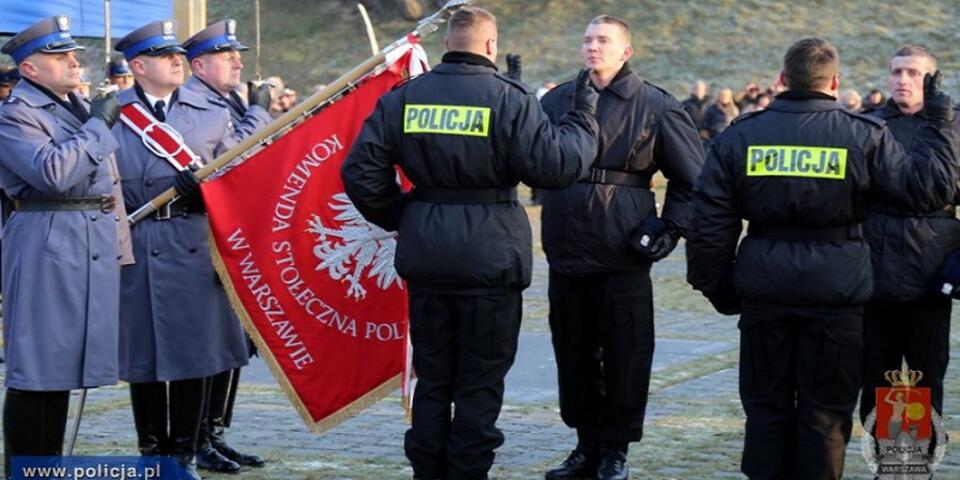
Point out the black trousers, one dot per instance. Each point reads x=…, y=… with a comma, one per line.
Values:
x=603, y=340
x=463, y=346
x=799, y=378
x=33, y=424
x=918, y=331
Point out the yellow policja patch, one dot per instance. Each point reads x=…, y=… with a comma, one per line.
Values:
x=796, y=161
x=447, y=119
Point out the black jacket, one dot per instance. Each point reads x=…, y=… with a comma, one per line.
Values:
x=907, y=244
x=496, y=137
x=587, y=227
x=752, y=173
x=696, y=108
x=716, y=119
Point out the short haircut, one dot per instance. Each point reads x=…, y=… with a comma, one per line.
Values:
x=810, y=64
x=611, y=20
x=463, y=22
x=916, y=51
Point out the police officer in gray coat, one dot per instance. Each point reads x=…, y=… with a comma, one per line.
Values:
x=214, y=56
x=177, y=326
x=61, y=281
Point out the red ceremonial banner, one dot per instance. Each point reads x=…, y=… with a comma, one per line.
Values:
x=906, y=410
x=313, y=281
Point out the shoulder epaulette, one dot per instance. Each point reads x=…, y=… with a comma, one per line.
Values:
x=516, y=83
x=877, y=122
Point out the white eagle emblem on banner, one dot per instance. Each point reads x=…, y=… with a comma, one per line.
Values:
x=357, y=245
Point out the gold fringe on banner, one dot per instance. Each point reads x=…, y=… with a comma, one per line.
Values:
x=315, y=426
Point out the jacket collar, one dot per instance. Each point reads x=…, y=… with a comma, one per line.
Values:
x=464, y=62
x=180, y=95
x=625, y=83
x=468, y=58
x=35, y=96
x=891, y=110
x=797, y=101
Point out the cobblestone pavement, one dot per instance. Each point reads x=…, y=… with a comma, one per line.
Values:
x=693, y=429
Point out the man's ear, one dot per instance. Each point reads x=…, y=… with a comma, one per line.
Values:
x=28, y=69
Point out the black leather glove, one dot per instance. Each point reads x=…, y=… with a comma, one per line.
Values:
x=725, y=304
x=513, y=66
x=260, y=94
x=106, y=108
x=725, y=299
x=187, y=184
x=654, y=239
x=937, y=104
x=585, y=97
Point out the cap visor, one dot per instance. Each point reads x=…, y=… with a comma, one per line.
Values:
x=164, y=50
x=63, y=48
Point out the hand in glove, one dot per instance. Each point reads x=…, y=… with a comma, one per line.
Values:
x=585, y=96
x=937, y=104
x=261, y=94
x=725, y=299
x=106, y=108
x=187, y=184
x=725, y=304
x=513, y=66
x=654, y=239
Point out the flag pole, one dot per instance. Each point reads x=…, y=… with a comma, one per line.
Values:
x=308, y=107
x=371, y=35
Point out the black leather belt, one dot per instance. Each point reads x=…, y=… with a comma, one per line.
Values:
x=465, y=195
x=948, y=212
x=616, y=177
x=105, y=204
x=807, y=234
x=177, y=208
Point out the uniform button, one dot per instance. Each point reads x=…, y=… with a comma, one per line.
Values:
x=155, y=253
x=119, y=257
x=96, y=256
x=116, y=217
x=149, y=183
x=193, y=250
x=93, y=218
x=116, y=181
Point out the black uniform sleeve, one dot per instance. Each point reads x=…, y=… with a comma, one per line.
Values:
x=679, y=154
x=545, y=155
x=923, y=176
x=368, y=174
x=715, y=228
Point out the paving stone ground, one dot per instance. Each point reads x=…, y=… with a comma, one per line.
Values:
x=693, y=430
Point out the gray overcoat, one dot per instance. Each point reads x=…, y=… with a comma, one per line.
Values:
x=61, y=269
x=176, y=321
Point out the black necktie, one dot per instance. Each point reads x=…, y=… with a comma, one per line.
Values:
x=160, y=110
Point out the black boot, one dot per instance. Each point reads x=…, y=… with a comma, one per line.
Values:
x=218, y=442
x=33, y=424
x=208, y=458
x=613, y=463
x=186, y=408
x=580, y=465
x=222, y=397
x=149, y=401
